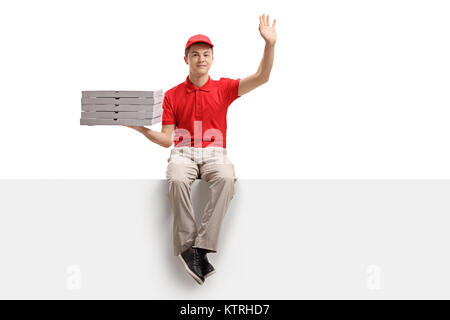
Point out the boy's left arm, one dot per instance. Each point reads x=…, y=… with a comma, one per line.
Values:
x=261, y=76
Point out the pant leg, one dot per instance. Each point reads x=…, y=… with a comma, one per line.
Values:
x=216, y=169
x=181, y=173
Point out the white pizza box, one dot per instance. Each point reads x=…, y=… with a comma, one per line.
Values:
x=121, y=100
x=120, y=114
x=121, y=107
x=124, y=122
x=121, y=94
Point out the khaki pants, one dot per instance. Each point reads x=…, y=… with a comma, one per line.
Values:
x=212, y=165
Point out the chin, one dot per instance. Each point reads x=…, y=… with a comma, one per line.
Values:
x=204, y=71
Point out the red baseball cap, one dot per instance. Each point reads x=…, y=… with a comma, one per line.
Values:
x=198, y=38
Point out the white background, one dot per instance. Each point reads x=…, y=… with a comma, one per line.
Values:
x=358, y=89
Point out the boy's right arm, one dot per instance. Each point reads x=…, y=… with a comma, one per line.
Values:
x=163, y=138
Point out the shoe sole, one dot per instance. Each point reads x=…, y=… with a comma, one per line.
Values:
x=193, y=275
x=209, y=274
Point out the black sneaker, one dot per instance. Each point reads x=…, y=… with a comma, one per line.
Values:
x=207, y=268
x=191, y=260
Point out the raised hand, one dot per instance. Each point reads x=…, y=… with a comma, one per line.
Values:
x=268, y=32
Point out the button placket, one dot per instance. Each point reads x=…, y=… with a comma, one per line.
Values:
x=198, y=113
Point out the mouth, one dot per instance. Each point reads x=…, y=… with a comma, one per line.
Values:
x=201, y=66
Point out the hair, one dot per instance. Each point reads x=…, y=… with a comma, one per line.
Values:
x=186, y=52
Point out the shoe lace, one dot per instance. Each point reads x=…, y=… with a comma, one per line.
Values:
x=197, y=258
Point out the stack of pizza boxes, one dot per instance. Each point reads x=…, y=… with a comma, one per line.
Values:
x=134, y=108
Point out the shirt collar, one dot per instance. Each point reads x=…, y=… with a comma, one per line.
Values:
x=190, y=87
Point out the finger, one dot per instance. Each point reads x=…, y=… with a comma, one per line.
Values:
x=274, y=23
x=268, y=21
x=260, y=20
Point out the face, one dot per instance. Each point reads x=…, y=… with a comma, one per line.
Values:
x=199, y=58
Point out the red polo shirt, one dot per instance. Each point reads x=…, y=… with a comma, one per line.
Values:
x=200, y=114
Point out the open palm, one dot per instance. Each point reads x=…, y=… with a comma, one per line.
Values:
x=268, y=32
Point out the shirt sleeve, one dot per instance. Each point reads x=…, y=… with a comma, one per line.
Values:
x=168, y=112
x=230, y=89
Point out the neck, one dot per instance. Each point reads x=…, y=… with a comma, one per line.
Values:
x=198, y=80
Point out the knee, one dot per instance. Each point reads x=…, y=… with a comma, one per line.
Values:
x=226, y=178
x=228, y=183
x=226, y=175
x=175, y=175
x=178, y=180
